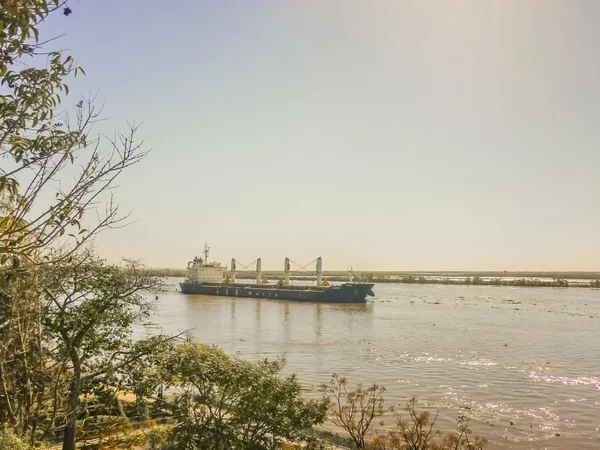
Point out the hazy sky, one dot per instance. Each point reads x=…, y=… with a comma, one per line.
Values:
x=376, y=134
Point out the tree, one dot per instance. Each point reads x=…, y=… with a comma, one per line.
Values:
x=228, y=403
x=89, y=313
x=143, y=377
x=354, y=410
x=22, y=372
x=560, y=282
x=417, y=433
x=363, y=277
x=38, y=143
x=461, y=440
x=42, y=223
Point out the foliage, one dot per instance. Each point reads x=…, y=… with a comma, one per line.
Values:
x=152, y=438
x=476, y=280
x=560, y=282
x=22, y=377
x=158, y=438
x=38, y=144
x=462, y=439
x=525, y=279
x=144, y=377
x=228, y=403
x=354, y=410
x=89, y=311
x=44, y=228
x=363, y=277
x=315, y=443
x=9, y=441
x=180, y=273
x=418, y=433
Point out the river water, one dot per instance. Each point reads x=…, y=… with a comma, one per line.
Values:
x=522, y=363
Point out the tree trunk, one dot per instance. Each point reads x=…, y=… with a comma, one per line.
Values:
x=70, y=435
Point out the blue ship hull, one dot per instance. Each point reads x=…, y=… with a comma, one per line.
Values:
x=345, y=293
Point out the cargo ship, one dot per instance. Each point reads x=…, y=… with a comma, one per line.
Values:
x=207, y=278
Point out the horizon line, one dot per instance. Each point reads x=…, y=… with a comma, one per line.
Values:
x=410, y=271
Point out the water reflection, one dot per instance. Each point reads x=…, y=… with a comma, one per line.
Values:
x=286, y=321
x=348, y=308
x=257, y=307
x=318, y=321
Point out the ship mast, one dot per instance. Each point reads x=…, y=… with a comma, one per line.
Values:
x=206, y=249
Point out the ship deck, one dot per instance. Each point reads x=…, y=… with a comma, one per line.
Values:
x=288, y=287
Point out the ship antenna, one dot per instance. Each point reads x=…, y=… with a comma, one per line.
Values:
x=206, y=249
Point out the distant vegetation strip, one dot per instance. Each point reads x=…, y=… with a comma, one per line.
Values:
x=527, y=279
x=167, y=272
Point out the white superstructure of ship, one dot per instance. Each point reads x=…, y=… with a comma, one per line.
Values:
x=202, y=271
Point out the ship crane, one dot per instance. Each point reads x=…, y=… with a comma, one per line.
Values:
x=235, y=262
x=300, y=268
x=304, y=267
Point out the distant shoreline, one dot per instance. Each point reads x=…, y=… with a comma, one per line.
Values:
x=518, y=279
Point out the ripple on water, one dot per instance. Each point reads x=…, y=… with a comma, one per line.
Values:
x=593, y=381
x=482, y=358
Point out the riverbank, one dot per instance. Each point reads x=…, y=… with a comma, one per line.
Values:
x=518, y=279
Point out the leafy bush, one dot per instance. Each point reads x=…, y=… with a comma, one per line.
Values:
x=9, y=441
x=228, y=403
